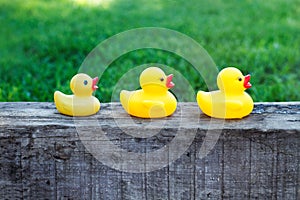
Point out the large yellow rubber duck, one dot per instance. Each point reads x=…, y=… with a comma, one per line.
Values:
x=153, y=100
x=230, y=101
x=81, y=103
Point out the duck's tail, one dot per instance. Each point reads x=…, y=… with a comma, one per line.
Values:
x=201, y=96
x=124, y=98
x=59, y=100
x=57, y=97
x=204, y=101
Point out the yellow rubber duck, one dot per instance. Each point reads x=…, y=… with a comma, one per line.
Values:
x=81, y=103
x=153, y=100
x=230, y=101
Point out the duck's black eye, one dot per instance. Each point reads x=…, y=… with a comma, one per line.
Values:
x=85, y=82
x=162, y=79
x=240, y=79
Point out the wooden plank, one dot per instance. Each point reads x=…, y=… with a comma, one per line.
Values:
x=44, y=155
x=11, y=169
x=237, y=155
x=209, y=177
x=182, y=176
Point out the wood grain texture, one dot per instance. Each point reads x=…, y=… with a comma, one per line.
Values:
x=42, y=155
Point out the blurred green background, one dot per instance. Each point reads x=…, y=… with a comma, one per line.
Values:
x=43, y=43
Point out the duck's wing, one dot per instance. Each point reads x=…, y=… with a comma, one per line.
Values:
x=155, y=108
x=152, y=103
x=234, y=105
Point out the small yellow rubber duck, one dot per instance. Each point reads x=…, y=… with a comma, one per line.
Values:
x=81, y=103
x=153, y=100
x=230, y=101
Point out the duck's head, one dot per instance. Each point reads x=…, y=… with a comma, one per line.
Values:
x=153, y=79
x=83, y=85
x=231, y=81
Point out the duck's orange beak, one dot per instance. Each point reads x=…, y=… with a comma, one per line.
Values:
x=169, y=82
x=247, y=83
x=95, y=81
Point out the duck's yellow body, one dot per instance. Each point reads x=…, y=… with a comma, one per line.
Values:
x=153, y=100
x=76, y=106
x=141, y=104
x=231, y=101
x=81, y=103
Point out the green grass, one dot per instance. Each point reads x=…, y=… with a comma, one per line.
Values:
x=43, y=43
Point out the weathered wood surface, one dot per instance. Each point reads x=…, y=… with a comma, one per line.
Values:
x=42, y=155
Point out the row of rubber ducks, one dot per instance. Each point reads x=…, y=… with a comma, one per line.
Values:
x=154, y=100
